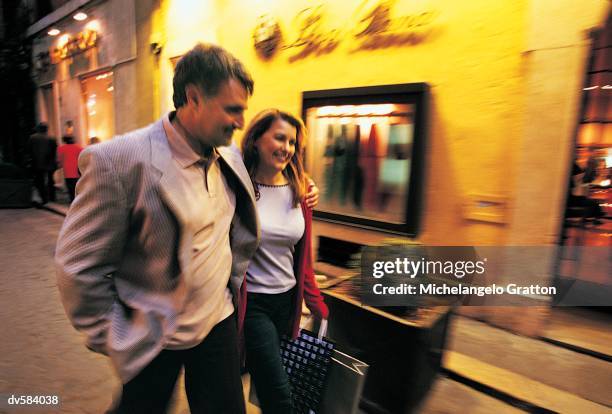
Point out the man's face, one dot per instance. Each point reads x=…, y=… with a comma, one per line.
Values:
x=216, y=117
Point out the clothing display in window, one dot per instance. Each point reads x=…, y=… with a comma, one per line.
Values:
x=357, y=172
x=369, y=162
x=328, y=163
x=348, y=185
x=360, y=153
x=395, y=168
x=339, y=167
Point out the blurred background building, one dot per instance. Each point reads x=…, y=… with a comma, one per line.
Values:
x=516, y=91
x=497, y=101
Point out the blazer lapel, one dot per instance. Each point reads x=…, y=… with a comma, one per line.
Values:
x=232, y=158
x=171, y=190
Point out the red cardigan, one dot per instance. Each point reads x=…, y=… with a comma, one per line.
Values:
x=306, y=286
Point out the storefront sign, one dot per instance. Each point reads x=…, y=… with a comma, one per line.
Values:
x=71, y=46
x=375, y=29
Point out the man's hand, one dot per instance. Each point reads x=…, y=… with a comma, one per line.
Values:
x=312, y=197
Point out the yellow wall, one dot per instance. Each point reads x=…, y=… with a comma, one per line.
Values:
x=463, y=62
x=474, y=59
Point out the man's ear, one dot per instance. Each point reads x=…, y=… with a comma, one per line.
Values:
x=193, y=94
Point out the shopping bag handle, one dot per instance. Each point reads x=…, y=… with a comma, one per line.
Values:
x=323, y=328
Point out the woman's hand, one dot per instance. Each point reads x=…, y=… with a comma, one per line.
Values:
x=320, y=311
x=312, y=197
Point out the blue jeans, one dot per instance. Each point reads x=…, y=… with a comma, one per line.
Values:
x=266, y=321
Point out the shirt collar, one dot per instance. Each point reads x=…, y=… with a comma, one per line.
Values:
x=180, y=148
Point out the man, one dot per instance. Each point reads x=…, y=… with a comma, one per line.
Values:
x=42, y=152
x=154, y=249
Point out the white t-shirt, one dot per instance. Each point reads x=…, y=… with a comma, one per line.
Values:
x=282, y=227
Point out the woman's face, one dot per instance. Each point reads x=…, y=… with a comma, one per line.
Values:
x=277, y=145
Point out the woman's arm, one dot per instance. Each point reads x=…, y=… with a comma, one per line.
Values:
x=312, y=294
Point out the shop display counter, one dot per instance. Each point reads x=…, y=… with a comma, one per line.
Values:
x=402, y=345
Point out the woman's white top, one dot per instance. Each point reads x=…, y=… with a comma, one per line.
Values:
x=282, y=227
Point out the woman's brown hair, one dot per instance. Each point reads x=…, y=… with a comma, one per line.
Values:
x=294, y=171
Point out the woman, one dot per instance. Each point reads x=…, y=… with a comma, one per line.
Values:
x=280, y=274
x=68, y=159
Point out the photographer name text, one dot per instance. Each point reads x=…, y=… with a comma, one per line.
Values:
x=445, y=289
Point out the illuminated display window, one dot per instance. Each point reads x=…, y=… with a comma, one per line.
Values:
x=365, y=152
x=98, y=92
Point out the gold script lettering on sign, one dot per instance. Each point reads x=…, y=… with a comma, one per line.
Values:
x=377, y=29
x=312, y=37
x=74, y=45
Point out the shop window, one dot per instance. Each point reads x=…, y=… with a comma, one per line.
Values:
x=365, y=151
x=594, y=139
x=589, y=200
x=98, y=94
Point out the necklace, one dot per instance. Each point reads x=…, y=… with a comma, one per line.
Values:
x=257, y=185
x=272, y=185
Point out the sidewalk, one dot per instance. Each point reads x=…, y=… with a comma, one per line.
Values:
x=60, y=206
x=54, y=207
x=40, y=352
x=486, y=369
x=531, y=371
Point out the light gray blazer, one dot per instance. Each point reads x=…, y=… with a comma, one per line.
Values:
x=125, y=243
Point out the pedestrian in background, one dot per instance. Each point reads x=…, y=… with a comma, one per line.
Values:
x=42, y=149
x=69, y=128
x=68, y=157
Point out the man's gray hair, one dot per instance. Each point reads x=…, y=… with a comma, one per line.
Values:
x=207, y=66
